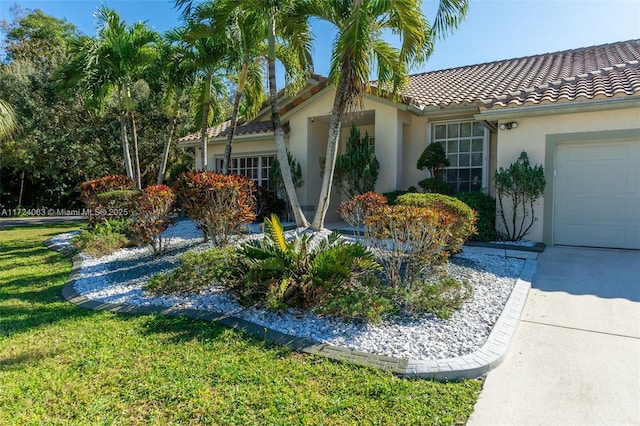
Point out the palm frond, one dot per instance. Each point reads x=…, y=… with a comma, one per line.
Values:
x=275, y=232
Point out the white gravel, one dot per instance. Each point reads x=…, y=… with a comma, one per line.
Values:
x=119, y=278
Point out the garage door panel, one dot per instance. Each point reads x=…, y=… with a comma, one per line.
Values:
x=596, y=154
x=597, y=194
x=607, y=209
x=585, y=235
x=598, y=181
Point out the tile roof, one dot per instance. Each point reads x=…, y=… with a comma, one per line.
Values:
x=586, y=73
x=595, y=72
x=222, y=130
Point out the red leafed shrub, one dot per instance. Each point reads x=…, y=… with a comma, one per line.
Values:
x=356, y=210
x=150, y=218
x=219, y=204
x=409, y=241
x=108, y=197
x=93, y=187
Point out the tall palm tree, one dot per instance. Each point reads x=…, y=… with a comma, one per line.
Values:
x=242, y=36
x=109, y=65
x=8, y=121
x=360, y=48
x=177, y=76
x=288, y=39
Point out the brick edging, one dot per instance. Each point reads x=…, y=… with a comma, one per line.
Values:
x=472, y=365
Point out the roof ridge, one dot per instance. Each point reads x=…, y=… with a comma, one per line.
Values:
x=520, y=58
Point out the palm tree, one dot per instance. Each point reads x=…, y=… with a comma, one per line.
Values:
x=207, y=56
x=241, y=32
x=109, y=65
x=288, y=39
x=176, y=75
x=8, y=121
x=360, y=48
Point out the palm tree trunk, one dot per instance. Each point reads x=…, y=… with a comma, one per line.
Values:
x=332, y=151
x=234, y=118
x=165, y=150
x=136, y=158
x=281, y=149
x=205, y=123
x=21, y=189
x=125, y=145
x=134, y=138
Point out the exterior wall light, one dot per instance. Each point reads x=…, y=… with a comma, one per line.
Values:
x=523, y=157
x=508, y=126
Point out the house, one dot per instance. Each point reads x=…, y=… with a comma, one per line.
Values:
x=576, y=112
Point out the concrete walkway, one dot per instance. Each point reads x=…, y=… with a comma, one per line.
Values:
x=575, y=358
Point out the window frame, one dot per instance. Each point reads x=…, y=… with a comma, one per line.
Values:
x=431, y=126
x=260, y=180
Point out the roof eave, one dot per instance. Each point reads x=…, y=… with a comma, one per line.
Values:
x=505, y=113
x=223, y=139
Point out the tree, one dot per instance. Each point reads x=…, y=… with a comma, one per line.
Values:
x=523, y=185
x=176, y=76
x=434, y=159
x=8, y=121
x=206, y=57
x=110, y=64
x=359, y=48
x=53, y=149
x=287, y=33
x=357, y=170
x=241, y=32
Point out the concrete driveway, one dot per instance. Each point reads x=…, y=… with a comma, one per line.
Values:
x=575, y=358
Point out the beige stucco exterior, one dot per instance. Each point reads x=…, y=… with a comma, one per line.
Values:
x=538, y=135
x=401, y=134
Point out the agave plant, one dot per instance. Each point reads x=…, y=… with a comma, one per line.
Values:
x=300, y=272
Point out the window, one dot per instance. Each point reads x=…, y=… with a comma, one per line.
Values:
x=465, y=146
x=255, y=168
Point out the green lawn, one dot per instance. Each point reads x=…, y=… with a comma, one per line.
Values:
x=60, y=364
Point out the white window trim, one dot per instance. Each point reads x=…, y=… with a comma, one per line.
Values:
x=260, y=155
x=485, y=146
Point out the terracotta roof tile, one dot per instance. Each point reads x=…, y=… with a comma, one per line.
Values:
x=590, y=72
x=222, y=130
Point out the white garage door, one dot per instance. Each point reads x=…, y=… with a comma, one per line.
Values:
x=597, y=194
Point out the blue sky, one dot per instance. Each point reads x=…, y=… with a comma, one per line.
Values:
x=494, y=29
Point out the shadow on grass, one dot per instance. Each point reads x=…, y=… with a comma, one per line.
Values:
x=31, y=280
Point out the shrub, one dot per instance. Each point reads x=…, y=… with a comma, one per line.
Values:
x=268, y=203
x=151, y=219
x=434, y=159
x=93, y=187
x=356, y=171
x=439, y=298
x=485, y=207
x=196, y=272
x=108, y=197
x=434, y=185
x=369, y=301
x=355, y=210
x=459, y=229
x=103, y=237
x=392, y=196
x=297, y=273
x=218, y=204
x=409, y=241
x=523, y=185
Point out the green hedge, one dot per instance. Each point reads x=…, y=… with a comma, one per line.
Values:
x=465, y=217
x=485, y=206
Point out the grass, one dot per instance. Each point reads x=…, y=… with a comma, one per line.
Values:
x=60, y=364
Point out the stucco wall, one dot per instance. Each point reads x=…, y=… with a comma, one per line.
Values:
x=531, y=135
